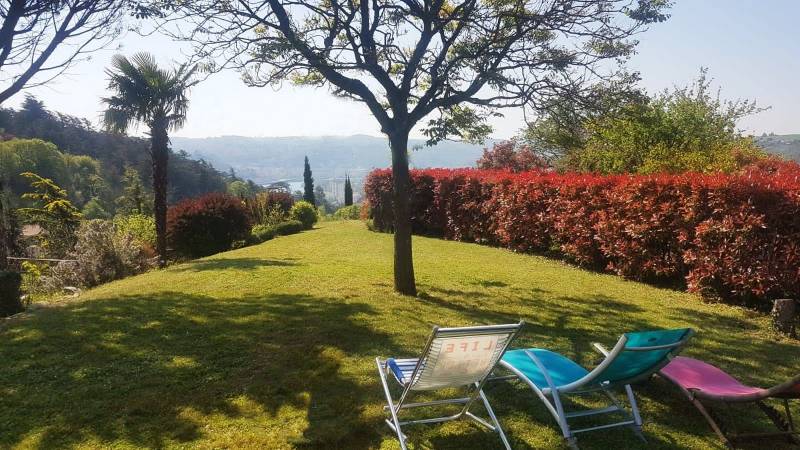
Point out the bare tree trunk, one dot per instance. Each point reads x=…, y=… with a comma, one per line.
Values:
x=159, y=152
x=404, y=282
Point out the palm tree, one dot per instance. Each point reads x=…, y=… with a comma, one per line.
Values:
x=144, y=93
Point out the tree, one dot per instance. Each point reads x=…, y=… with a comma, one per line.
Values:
x=53, y=211
x=145, y=93
x=93, y=209
x=240, y=189
x=9, y=229
x=46, y=38
x=308, y=184
x=686, y=129
x=348, y=191
x=134, y=198
x=451, y=63
x=510, y=156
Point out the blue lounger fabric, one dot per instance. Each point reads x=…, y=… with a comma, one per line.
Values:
x=562, y=370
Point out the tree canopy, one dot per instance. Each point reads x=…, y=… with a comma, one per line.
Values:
x=40, y=40
x=687, y=128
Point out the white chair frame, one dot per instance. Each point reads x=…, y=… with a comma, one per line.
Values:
x=473, y=388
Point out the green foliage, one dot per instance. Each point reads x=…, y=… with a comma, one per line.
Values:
x=146, y=93
x=79, y=175
x=134, y=198
x=140, y=226
x=461, y=122
x=53, y=211
x=114, y=152
x=687, y=129
x=348, y=192
x=352, y=212
x=308, y=184
x=289, y=227
x=239, y=188
x=264, y=232
x=304, y=212
x=93, y=209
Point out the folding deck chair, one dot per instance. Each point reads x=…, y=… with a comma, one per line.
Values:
x=701, y=382
x=635, y=357
x=452, y=358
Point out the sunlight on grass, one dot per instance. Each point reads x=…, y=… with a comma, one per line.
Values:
x=273, y=346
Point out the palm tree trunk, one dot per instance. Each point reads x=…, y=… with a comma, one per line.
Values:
x=404, y=282
x=159, y=152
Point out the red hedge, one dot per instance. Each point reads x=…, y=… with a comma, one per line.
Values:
x=734, y=237
x=206, y=225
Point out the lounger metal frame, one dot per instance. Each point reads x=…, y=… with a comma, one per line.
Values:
x=473, y=390
x=551, y=396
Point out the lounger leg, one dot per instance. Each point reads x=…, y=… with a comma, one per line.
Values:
x=784, y=424
x=637, y=418
x=389, y=401
x=792, y=437
x=712, y=422
x=494, y=419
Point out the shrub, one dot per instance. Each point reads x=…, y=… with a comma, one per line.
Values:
x=264, y=232
x=352, y=212
x=289, y=227
x=304, y=212
x=141, y=227
x=103, y=254
x=269, y=208
x=10, y=302
x=730, y=236
x=207, y=225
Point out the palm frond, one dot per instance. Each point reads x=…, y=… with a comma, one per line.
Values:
x=146, y=93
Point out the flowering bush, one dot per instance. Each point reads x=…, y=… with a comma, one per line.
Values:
x=207, y=225
x=735, y=237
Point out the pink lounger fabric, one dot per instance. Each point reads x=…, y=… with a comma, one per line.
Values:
x=694, y=375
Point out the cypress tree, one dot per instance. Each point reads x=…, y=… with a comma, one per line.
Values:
x=348, y=191
x=308, y=184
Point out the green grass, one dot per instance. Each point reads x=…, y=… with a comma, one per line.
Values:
x=273, y=346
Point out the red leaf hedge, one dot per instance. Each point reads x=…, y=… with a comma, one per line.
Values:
x=733, y=237
x=206, y=225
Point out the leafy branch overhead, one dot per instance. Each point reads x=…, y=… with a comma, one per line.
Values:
x=408, y=59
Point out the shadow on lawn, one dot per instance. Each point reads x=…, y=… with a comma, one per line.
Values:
x=233, y=263
x=135, y=369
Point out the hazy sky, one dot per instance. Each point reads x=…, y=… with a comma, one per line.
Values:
x=751, y=47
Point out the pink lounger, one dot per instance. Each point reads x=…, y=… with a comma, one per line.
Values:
x=701, y=381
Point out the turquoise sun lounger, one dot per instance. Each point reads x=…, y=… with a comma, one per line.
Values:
x=635, y=357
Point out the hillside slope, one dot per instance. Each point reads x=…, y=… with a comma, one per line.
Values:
x=273, y=346
x=786, y=145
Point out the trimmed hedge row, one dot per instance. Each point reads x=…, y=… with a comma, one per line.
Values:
x=731, y=237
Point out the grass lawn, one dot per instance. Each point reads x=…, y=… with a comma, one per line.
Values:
x=273, y=346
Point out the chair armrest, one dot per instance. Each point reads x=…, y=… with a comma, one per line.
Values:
x=599, y=347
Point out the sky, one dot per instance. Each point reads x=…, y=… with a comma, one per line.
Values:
x=750, y=47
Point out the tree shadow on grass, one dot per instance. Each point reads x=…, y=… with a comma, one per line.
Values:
x=233, y=263
x=150, y=369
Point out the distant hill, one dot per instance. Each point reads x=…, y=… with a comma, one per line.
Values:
x=269, y=159
x=786, y=145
